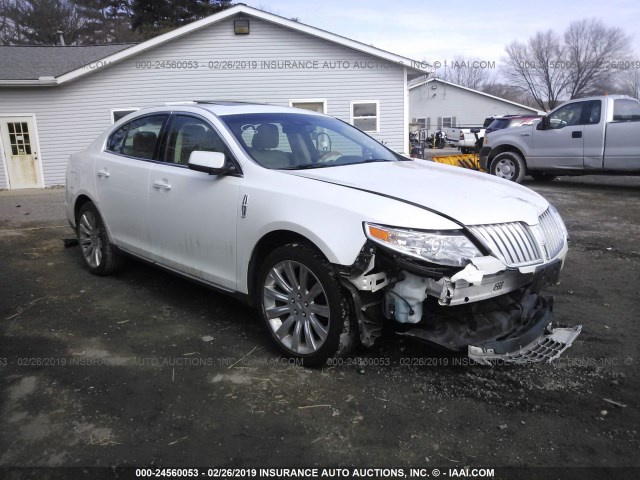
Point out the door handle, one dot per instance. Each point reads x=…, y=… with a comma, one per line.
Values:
x=103, y=173
x=576, y=134
x=524, y=134
x=161, y=185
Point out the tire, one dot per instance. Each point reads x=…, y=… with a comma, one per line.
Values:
x=543, y=177
x=99, y=254
x=304, y=307
x=508, y=165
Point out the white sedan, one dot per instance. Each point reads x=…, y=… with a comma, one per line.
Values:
x=331, y=235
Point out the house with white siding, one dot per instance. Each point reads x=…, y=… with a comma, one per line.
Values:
x=435, y=103
x=54, y=101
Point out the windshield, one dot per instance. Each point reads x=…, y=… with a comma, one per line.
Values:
x=296, y=141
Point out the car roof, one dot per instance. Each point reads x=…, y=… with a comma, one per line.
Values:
x=230, y=107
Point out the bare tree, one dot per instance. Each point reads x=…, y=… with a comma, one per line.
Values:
x=36, y=22
x=468, y=72
x=7, y=24
x=583, y=61
x=509, y=92
x=631, y=83
x=594, y=52
x=530, y=67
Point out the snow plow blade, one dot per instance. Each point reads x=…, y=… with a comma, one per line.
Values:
x=470, y=161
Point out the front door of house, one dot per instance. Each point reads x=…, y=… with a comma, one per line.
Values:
x=19, y=146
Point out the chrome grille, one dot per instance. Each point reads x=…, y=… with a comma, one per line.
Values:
x=513, y=242
x=553, y=233
x=516, y=244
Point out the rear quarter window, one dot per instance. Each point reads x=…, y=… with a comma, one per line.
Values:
x=626, y=110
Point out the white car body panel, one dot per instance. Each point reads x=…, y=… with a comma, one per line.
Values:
x=311, y=202
x=208, y=226
x=122, y=195
x=190, y=232
x=330, y=216
x=449, y=190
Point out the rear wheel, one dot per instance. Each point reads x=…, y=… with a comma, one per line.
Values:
x=508, y=165
x=543, y=177
x=100, y=256
x=304, y=307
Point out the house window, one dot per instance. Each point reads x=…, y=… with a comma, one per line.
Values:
x=365, y=116
x=318, y=105
x=117, y=114
x=447, y=122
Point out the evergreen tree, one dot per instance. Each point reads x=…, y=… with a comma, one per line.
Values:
x=152, y=18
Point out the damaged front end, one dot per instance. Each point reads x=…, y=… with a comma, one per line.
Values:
x=491, y=308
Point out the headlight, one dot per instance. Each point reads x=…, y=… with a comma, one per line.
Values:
x=449, y=248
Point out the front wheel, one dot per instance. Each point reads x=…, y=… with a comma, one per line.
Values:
x=508, y=165
x=305, y=308
x=100, y=256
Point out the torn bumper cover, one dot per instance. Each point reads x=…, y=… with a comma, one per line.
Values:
x=543, y=349
x=491, y=312
x=513, y=328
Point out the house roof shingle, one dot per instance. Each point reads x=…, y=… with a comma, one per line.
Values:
x=33, y=62
x=60, y=62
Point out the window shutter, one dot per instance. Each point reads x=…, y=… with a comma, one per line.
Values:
x=429, y=123
x=453, y=122
x=440, y=122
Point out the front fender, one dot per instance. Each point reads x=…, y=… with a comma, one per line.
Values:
x=328, y=215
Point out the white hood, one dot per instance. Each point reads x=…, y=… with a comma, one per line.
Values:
x=471, y=198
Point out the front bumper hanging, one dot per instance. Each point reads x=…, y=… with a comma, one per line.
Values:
x=543, y=349
x=515, y=328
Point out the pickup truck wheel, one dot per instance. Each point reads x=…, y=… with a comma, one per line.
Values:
x=465, y=150
x=508, y=165
x=305, y=308
x=99, y=254
x=542, y=177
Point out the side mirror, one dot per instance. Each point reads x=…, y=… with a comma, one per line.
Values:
x=213, y=163
x=475, y=130
x=543, y=124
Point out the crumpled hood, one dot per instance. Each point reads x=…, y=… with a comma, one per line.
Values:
x=471, y=198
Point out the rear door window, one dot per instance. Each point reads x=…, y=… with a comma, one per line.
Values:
x=138, y=138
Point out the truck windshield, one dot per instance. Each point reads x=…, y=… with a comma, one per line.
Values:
x=296, y=141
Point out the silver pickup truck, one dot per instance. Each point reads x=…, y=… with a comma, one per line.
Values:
x=581, y=137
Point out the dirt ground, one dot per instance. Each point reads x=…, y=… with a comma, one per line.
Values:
x=145, y=368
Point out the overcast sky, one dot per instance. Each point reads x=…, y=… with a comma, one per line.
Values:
x=437, y=31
